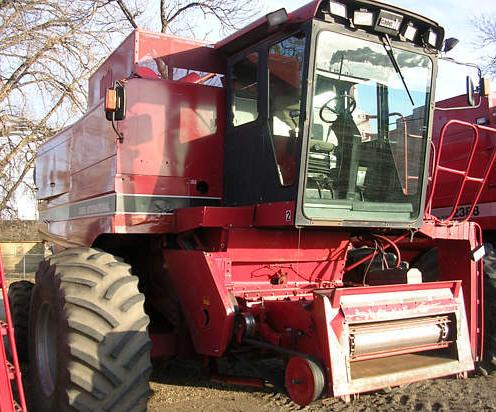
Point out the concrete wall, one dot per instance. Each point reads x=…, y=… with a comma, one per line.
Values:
x=18, y=231
x=20, y=245
x=21, y=257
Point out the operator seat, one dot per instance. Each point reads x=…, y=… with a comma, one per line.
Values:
x=348, y=155
x=381, y=173
x=319, y=159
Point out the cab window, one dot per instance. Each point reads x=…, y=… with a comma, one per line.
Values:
x=285, y=66
x=244, y=80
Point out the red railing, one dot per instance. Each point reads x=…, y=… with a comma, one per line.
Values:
x=9, y=372
x=463, y=172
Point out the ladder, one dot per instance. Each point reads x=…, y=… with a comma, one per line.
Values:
x=10, y=373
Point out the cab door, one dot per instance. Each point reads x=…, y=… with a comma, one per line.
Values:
x=244, y=137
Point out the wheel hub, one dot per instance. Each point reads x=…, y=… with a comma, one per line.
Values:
x=304, y=380
x=46, y=348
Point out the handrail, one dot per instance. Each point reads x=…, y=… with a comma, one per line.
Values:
x=464, y=172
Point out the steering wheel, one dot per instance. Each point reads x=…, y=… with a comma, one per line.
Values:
x=349, y=107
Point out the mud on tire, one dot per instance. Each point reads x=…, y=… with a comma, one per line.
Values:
x=88, y=347
x=20, y=300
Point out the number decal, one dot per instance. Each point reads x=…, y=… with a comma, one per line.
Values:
x=463, y=211
x=288, y=215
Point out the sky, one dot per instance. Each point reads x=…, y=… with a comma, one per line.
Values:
x=454, y=15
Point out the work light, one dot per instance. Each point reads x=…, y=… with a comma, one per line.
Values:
x=338, y=9
x=363, y=17
x=277, y=17
x=431, y=38
x=409, y=32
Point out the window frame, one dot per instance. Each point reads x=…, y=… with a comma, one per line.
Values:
x=230, y=102
x=300, y=218
x=302, y=116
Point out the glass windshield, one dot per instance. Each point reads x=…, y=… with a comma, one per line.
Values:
x=367, y=141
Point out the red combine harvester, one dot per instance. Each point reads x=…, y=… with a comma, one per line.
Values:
x=261, y=197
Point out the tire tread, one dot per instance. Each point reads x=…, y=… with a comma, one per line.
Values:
x=107, y=342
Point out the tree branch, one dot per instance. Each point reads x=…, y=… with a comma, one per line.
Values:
x=126, y=12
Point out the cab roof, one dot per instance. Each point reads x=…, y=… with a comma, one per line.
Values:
x=261, y=28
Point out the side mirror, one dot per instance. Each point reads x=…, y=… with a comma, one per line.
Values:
x=115, y=103
x=485, y=87
x=470, y=92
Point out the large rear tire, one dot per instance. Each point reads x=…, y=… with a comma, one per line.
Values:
x=20, y=301
x=490, y=303
x=88, y=347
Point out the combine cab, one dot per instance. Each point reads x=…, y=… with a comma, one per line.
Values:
x=261, y=197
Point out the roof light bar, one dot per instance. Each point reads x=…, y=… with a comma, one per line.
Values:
x=338, y=9
x=363, y=17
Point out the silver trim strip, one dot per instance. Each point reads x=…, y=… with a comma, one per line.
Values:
x=110, y=204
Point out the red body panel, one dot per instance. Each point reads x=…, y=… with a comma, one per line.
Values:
x=139, y=50
x=171, y=156
x=207, y=305
x=63, y=164
x=275, y=214
x=173, y=130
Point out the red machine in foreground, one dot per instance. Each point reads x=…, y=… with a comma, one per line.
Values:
x=11, y=389
x=260, y=198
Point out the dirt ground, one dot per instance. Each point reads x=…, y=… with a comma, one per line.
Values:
x=182, y=387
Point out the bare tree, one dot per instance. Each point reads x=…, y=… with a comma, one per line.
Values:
x=48, y=49
x=182, y=15
x=486, y=29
